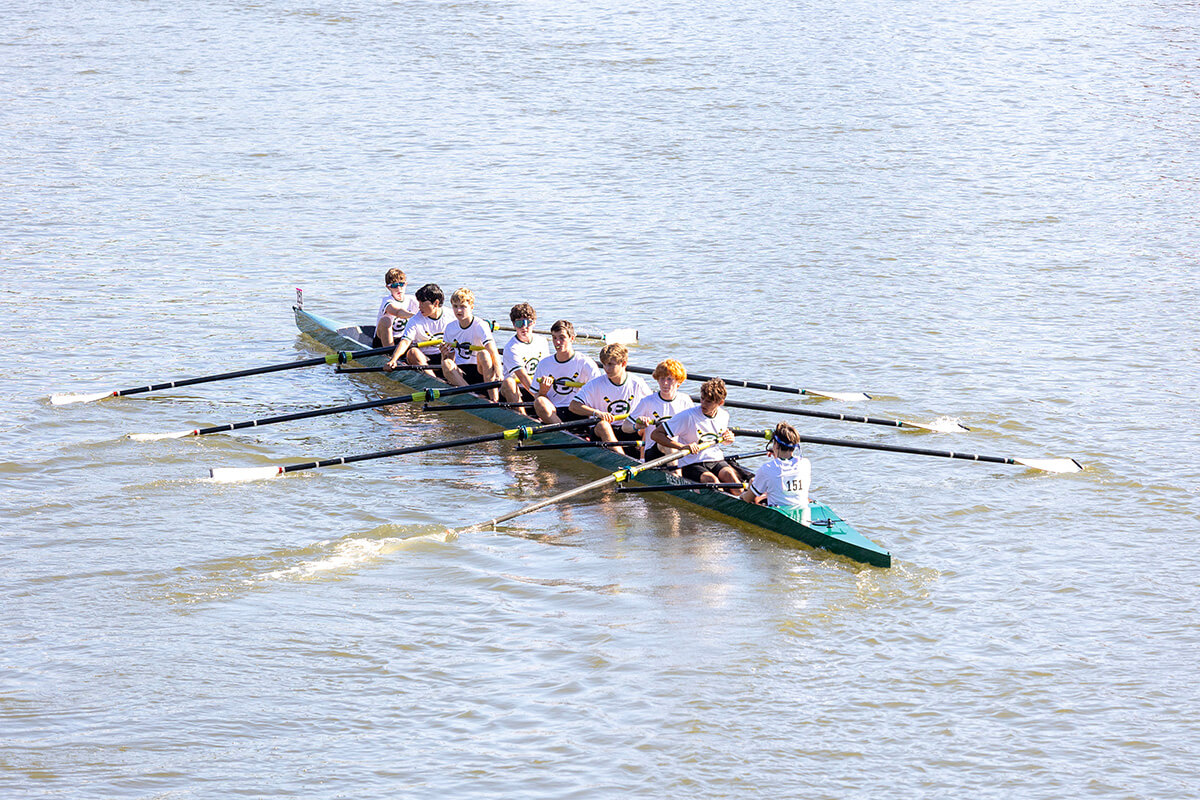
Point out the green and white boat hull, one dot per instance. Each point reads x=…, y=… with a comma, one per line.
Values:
x=826, y=530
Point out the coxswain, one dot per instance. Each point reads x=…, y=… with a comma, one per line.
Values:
x=521, y=356
x=657, y=406
x=469, y=354
x=427, y=326
x=395, y=309
x=783, y=481
x=692, y=428
x=611, y=395
x=560, y=376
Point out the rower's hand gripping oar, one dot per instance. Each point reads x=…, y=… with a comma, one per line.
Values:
x=1043, y=464
x=616, y=477
x=939, y=426
x=416, y=397
x=848, y=397
x=341, y=357
x=246, y=474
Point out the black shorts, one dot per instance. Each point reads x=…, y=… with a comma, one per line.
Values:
x=693, y=472
x=471, y=373
x=622, y=436
x=567, y=415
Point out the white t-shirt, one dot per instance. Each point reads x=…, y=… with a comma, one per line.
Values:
x=423, y=329
x=657, y=409
x=477, y=333
x=691, y=426
x=785, y=483
x=604, y=395
x=525, y=355
x=578, y=368
x=410, y=305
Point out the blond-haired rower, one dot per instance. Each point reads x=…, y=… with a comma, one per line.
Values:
x=611, y=395
x=469, y=354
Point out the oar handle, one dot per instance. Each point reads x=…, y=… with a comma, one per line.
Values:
x=681, y=487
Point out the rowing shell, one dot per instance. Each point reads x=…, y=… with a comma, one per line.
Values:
x=826, y=530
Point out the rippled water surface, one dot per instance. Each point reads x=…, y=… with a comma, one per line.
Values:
x=981, y=212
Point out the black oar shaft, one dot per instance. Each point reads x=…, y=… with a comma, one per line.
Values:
x=887, y=448
x=806, y=412
x=681, y=487
x=571, y=445
x=416, y=397
x=693, y=376
x=515, y=433
x=472, y=406
x=335, y=358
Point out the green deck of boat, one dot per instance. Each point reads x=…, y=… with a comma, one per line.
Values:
x=827, y=531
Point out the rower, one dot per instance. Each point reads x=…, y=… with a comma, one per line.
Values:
x=690, y=429
x=521, y=355
x=428, y=325
x=469, y=354
x=395, y=309
x=560, y=376
x=784, y=480
x=657, y=406
x=611, y=395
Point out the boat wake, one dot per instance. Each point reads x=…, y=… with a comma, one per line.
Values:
x=335, y=556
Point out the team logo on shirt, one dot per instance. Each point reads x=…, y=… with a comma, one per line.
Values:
x=531, y=363
x=462, y=351
x=709, y=438
x=561, y=386
x=618, y=406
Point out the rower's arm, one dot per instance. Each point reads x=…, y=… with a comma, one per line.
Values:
x=398, y=353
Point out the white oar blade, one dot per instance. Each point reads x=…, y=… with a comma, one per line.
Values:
x=621, y=336
x=154, y=437
x=944, y=425
x=845, y=397
x=1051, y=464
x=66, y=398
x=243, y=474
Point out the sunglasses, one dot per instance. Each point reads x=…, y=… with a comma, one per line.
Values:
x=523, y=323
x=396, y=285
